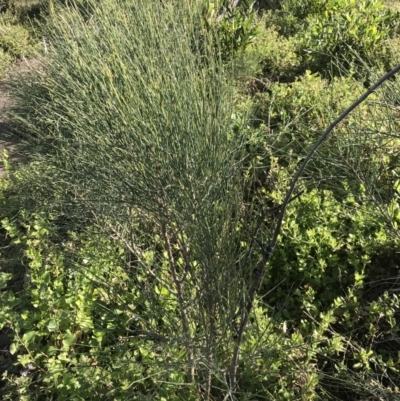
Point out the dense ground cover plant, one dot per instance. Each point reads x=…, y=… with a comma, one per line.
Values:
x=18, y=37
x=269, y=55
x=345, y=32
x=335, y=35
x=90, y=306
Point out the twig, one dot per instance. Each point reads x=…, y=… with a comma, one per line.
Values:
x=182, y=307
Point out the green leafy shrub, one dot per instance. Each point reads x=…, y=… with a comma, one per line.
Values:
x=15, y=39
x=234, y=26
x=294, y=115
x=303, y=8
x=79, y=314
x=88, y=319
x=346, y=32
x=334, y=36
x=326, y=295
x=19, y=30
x=271, y=55
x=323, y=272
x=72, y=333
x=291, y=16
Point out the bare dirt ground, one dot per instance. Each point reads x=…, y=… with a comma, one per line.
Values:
x=8, y=139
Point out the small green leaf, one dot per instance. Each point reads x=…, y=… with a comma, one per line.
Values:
x=68, y=340
x=52, y=325
x=27, y=337
x=52, y=350
x=4, y=277
x=13, y=348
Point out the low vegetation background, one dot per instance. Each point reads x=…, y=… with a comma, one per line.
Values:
x=161, y=139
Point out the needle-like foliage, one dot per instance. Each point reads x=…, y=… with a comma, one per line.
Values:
x=132, y=112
